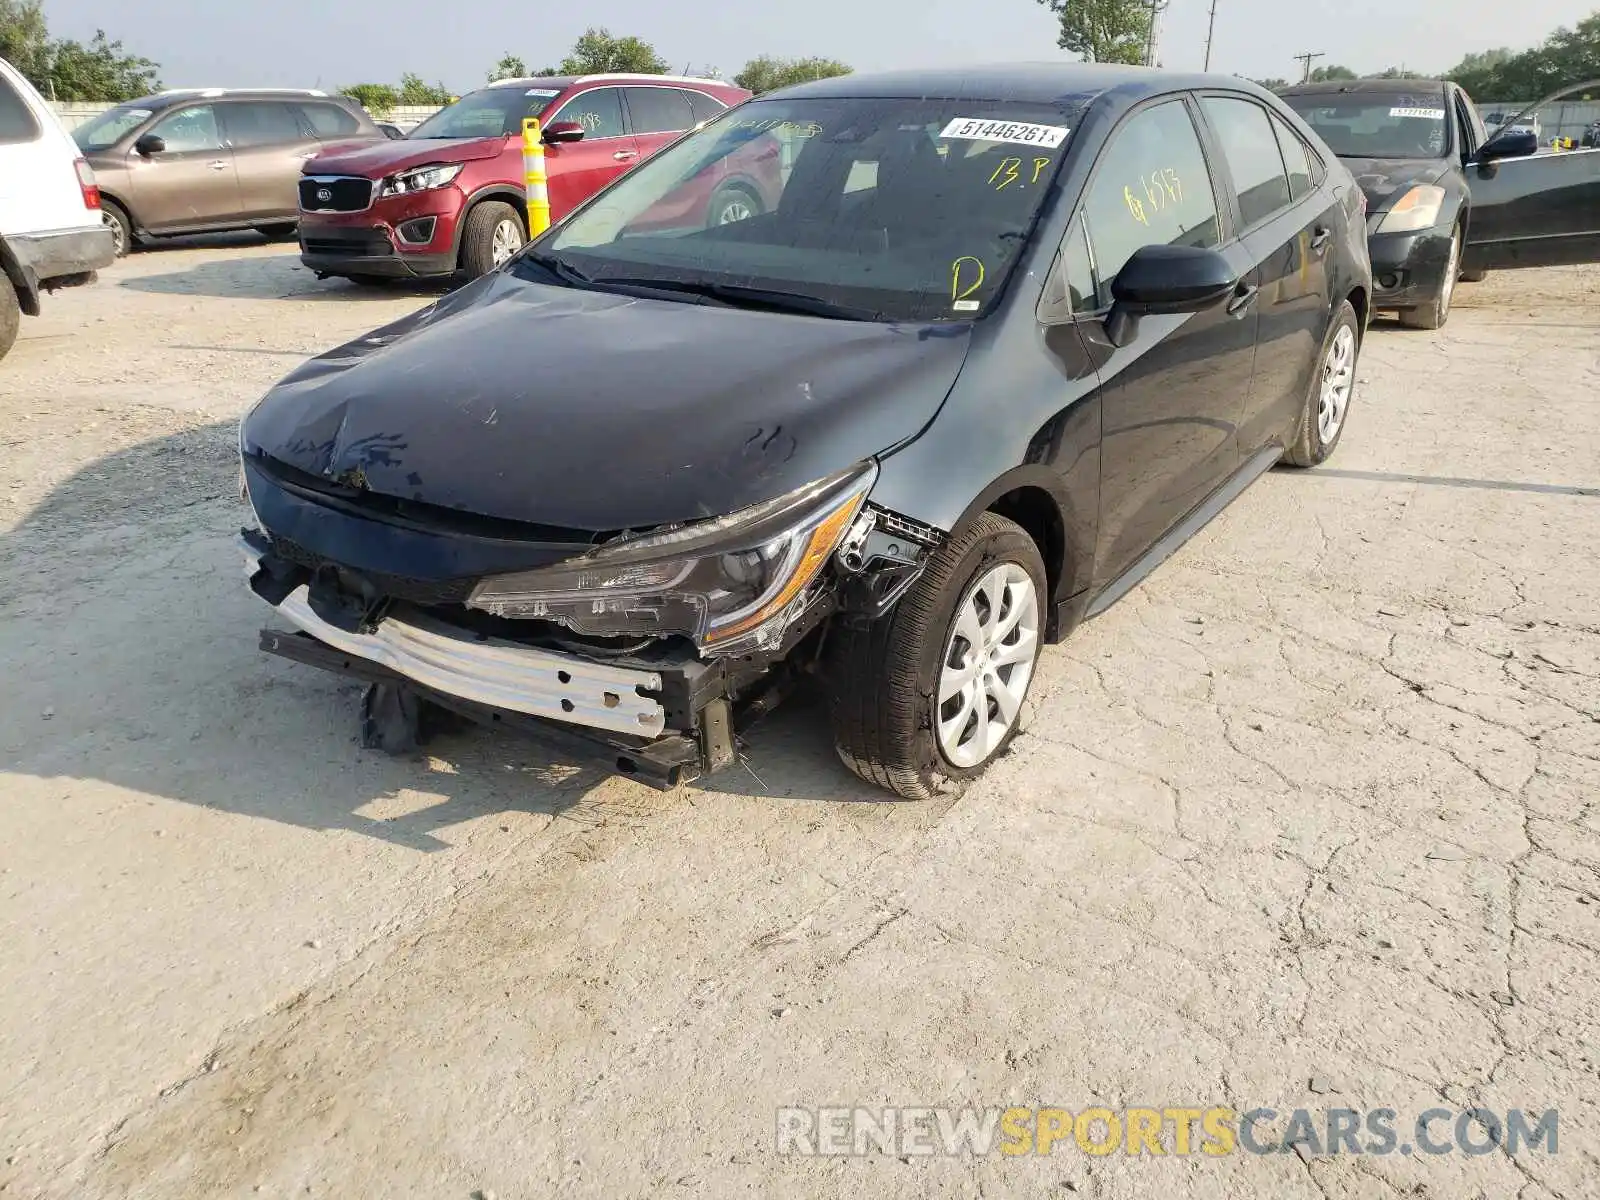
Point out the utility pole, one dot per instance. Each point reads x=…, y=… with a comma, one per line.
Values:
x=1211, y=33
x=1152, y=45
x=1307, y=59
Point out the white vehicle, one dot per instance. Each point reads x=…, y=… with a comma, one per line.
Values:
x=52, y=234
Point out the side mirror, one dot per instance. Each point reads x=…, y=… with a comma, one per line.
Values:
x=562, y=131
x=1509, y=143
x=149, y=144
x=1166, y=280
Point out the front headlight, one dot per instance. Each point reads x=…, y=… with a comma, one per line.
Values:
x=728, y=584
x=1417, y=209
x=420, y=179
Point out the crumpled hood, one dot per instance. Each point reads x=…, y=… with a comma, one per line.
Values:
x=1385, y=180
x=375, y=159
x=599, y=412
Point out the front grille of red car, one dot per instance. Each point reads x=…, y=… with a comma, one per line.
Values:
x=354, y=245
x=335, y=193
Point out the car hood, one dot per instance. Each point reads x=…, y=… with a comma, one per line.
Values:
x=1385, y=180
x=375, y=159
x=592, y=411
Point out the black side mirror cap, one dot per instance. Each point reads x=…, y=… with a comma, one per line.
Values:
x=149, y=144
x=1174, y=279
x=1509, y=143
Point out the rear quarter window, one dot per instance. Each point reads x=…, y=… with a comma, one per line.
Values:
x=17, y=122
x=330, y=120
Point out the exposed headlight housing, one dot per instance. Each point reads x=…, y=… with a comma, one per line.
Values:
x=419, y=179
x=1417, y=209
x=730, y=584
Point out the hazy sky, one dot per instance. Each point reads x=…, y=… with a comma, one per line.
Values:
x=305, y=43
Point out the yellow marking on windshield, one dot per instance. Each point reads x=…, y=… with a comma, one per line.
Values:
x=956, y=293
x=1039, y=164
x=1007, y=173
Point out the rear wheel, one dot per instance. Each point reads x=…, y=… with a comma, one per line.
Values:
x=115, y=218
x=10, y=315
x=925, y=699
x=1333, y=386
x=1474, y=276
x=1434, y=314
x=495, y=231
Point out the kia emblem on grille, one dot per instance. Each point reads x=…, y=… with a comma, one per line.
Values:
x=324, y=194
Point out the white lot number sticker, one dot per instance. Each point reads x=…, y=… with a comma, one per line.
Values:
x=1421, y=114
x=542, y=93
x=971, y=129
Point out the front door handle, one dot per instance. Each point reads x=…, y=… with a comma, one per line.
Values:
x=219, y=165
x=1243, y=297
x=1320, y=239
x=625, y=155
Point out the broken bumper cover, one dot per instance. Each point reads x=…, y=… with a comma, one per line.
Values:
x=496, y=674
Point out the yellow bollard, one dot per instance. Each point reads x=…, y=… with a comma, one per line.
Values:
x=534, y=182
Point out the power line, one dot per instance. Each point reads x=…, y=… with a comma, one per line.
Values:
x=1307, y=60
x=1211, y=33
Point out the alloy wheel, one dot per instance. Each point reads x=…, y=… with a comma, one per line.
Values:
x=987, y=665
x=119, y=237
x=734, y=208
x=507, y=241
x=1338, y=379
x=1451, y=271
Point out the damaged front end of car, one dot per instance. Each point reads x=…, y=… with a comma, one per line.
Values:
x=646, y=652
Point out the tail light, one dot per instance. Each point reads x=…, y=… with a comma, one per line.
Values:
x=91, y=190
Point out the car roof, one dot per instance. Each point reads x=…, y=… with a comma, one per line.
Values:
x=1377, y=87
x=566, y=81
x=187, y=95
x=1036, y=82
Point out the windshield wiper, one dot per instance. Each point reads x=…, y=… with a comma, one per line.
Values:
x=737, y=296
x=561, y=268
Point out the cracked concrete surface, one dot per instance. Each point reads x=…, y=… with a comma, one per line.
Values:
x=1320, y=800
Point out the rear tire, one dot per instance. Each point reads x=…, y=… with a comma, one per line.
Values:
x=1317, y=436
x=10, y=316
x=491, y=228
x=885, y=681
x=117, y=220
x=1474, y=276
x=1436, y=312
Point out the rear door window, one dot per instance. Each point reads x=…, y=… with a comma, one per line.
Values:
x=1296, y=158
x=598, y=111
x=1150, y=187
x=1245, y=132
x=189, y=129
x=261, y=123
x=659, y=110
x=16, y=118
x=704, y=107
x=329, y=120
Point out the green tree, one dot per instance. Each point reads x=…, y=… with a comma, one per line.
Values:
x=511, y=66
x=378, y=99
x=766, y=74
x=25, y=40
x=415, y=90
x=1333, y=74
x=1114, y=31
x=1272, y=85
x=100, y=71
x=597, y=52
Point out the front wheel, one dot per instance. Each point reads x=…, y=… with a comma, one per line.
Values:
x=731, y=205
x=1333, y=386
x=495, y=231
x=1436, y=312
x=10, y=315
x=925, y=699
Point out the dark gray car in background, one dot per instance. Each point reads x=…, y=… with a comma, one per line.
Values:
x=213, y=159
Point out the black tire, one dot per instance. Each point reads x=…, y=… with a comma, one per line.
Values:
x=10, y=316
x=121, y=225
x=477, y=239
x=1436, y=312
x=734, y=197
x=1308, y=449
x=391, y=719
x=1474, y=276
x=883, y=680
x=279, y=232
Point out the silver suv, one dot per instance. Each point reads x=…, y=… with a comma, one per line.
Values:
x=207, y=160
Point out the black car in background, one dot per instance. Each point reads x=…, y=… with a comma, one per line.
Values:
x=1445, y=198
x=1008, y=338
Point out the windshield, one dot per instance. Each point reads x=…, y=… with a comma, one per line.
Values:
x=492, y=112
x=110, y=127
x=1370, y=125
x=883, y=208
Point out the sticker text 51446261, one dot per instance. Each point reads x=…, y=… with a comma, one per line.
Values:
x=974, y=129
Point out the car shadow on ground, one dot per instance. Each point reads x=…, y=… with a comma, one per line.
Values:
x=278, y=276
x=129, y=571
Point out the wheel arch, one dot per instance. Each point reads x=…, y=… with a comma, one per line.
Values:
x=494, y=191
x=133, y=217
x=20, y=279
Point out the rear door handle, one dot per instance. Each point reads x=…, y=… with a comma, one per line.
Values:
x=219, y=165
x=625, y=155
x=1243, y=298
x=1320, y=239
